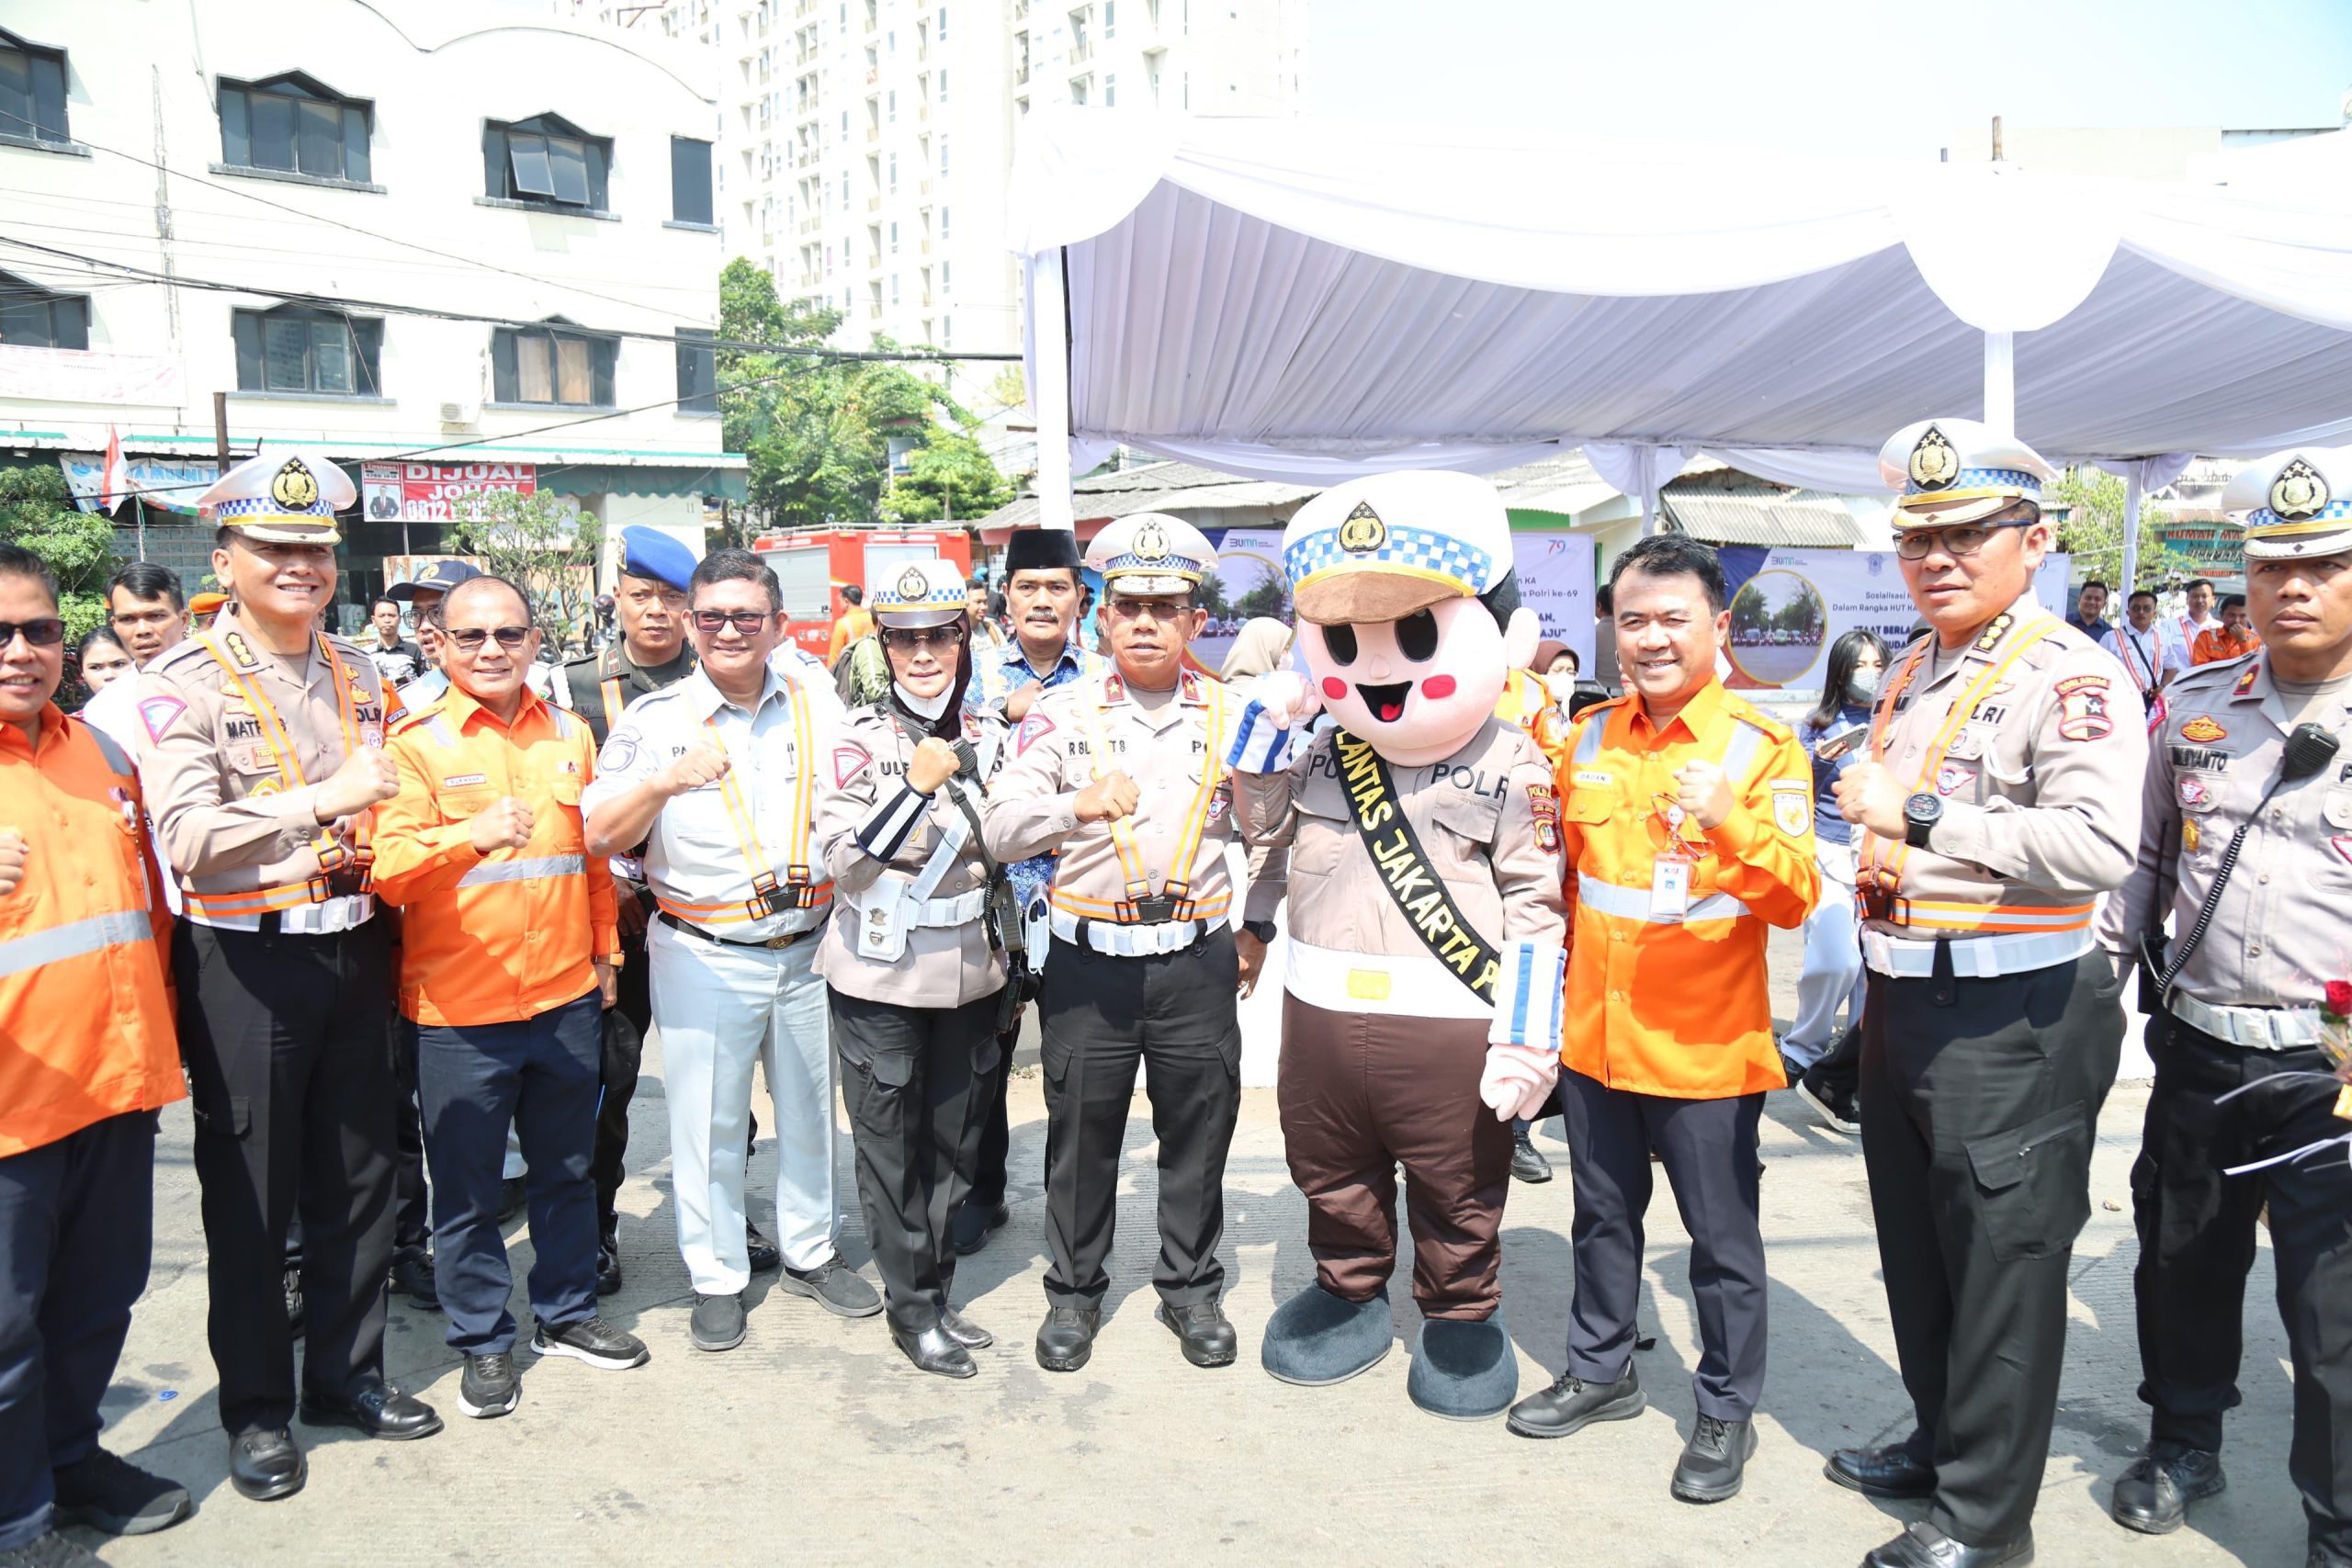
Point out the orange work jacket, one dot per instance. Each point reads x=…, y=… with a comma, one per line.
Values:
x=504, y=937
x=2220, y=644
x=854, y=623
x=86, y=1017
x=1680, y=1008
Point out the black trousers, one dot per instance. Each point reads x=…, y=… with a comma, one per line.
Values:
x=623, y=1053
x=1980, y=1103
x=412, y=1211
x=914, y=1081
x=989, y=1174
x=1708, y=1148
x=1171, y=1015
x=2196, y=1241
x=76, y=1228
x=288, y=1042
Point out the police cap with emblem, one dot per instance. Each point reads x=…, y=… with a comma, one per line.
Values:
x=650, y=554
x=1150, y=554
x=284, y=498
x=1948, y=471
x=917, y=593
x=1040, y=549
x=1377, y=549
x=2296, y=503
x=437, y=577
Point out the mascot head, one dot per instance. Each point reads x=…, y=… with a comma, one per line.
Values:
x=1408, y=610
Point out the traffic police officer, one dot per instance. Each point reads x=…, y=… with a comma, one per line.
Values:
x=913, y=970
x=1124, y=776
x=716, y=775
x=2246, y=839
x=265, y=756
x=1999, y=803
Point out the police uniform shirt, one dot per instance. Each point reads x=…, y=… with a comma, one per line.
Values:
x=1167, y=750
x=229, y=818
x=2284, y=923
x=878, y=836
x=693, y=856
x=2040, y=781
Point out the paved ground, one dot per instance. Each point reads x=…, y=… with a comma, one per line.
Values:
x=815, y=1440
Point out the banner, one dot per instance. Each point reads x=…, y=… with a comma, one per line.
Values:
x=1555, y=570
x=165, y=484
x=1789, y=607
x=437, y=492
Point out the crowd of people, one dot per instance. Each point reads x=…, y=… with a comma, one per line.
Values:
x=396, y=917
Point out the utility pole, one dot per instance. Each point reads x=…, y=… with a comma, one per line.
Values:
x=221, y=429
x=1996, y=139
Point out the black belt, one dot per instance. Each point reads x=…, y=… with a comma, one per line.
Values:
x=772, y=943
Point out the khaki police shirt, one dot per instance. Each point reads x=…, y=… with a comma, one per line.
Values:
x=228, y=821
x=2283, y=927
x=878, y=835
x=1033, y=805
x=2041, y=784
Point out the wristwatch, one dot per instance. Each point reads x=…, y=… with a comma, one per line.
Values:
x=1263, y=929
x=1920, y=815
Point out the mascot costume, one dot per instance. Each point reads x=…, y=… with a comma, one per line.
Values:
x=1422, y=1000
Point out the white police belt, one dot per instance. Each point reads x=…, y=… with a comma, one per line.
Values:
x=887, y=911
x=325, y=918
x=1127, y=941
x=1975, y=957
x=2257, y=1029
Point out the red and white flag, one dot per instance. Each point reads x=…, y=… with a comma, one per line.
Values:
x=114, y=474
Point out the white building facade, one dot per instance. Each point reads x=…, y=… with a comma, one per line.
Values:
x=542, y=189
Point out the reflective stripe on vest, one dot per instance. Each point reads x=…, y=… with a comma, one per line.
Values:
x=1633, y=903
x=522, y=870
x=73, y=939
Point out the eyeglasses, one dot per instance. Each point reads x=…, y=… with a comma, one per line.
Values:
x=1964, y=540
x=1141, y=609
x=944, y=639
x=469, y=639
x=47, y=631
x=746, y=621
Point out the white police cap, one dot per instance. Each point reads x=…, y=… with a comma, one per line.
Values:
x=1150, y=553
x=1379, y=549
x=288, y=498
x=917, y=594
x=1948, y=471
x=2296, y=503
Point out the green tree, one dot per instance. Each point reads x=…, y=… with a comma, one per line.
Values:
x=1210, y=595
x=2092, y=533
x=1270, y=599
x=545, y=548
x=948, y=476
x=38, y=511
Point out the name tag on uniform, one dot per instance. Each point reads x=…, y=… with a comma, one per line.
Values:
x=1670, y=887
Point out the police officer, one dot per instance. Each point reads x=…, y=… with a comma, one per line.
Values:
x=265, y=756
x=1124, y=776
x=2246, y=839
x=1998, y=803
x=913, y=971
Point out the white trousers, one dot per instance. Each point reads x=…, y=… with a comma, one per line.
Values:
x=1832, y=976
x=720, y=1009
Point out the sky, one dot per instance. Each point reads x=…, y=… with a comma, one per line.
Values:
x=1896, y=77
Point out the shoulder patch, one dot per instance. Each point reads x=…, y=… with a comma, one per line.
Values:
x=2082, y=708
x=159, y=713
x=1792, y=807
x=848, y=762
x=1034, y=728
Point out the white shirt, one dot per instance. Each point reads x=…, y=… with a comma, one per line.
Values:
x=2181, y=630
x=693, y=856
x=2150, y=657
x=114, y=712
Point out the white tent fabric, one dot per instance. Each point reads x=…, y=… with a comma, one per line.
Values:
x=1307, y=301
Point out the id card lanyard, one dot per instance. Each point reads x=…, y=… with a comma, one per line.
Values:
x=1673, y=868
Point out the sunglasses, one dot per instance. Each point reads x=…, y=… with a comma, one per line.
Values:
x=47, y=631
x=470, y=638
x=1964, y=540
x=910, y=639
x=746, y=621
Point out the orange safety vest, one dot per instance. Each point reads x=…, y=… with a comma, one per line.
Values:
x=86, y=1017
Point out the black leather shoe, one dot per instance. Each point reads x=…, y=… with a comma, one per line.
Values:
x=761, y=1252
x=1571, y=1405
x=1922, y=1545
x=513, y=1193
x=375, y=1407
x=2153, y=1496
x=1714, y=1460
x=297, y=1311
x=934, y=1351
x=1066, y=1339
x=1527, y=1162
x=969, y=1231
x=1891, y=1471
x=266, y=1464
x=413, y=1278
x=964, y=1331
x=1204, y=1331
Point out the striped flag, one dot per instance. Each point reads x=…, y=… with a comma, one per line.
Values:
x=114, y=474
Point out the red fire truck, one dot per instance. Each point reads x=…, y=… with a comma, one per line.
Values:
x=814, y=568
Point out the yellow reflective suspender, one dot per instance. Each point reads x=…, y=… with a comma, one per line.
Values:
x=1178, y=881
x=767, y=889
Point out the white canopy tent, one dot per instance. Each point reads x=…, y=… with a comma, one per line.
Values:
x=1308, y=301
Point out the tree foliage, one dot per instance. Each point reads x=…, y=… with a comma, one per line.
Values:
x=950, y=477
x=2092, y=534
x=544, y=546
x=38, y=511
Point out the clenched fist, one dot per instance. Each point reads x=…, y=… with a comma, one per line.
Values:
x=1701, y=789
x=13, y=850
x=365, y=777
x=503, y=823
x=935, y=763
x=704, y=764
x=1868, y=796
x=1108, y=799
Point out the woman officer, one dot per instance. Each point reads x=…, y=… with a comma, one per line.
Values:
x=912, y=971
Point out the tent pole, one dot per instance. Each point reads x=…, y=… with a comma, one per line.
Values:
x=2000, y=383
x=1049, y=323
x=2132, y=498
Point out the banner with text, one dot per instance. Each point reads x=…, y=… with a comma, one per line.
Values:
x=437, y=492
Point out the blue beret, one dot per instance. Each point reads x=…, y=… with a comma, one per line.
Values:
x=649, y=552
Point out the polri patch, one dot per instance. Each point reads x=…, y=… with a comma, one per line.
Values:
x=847, y=760
x=1950, y=780
x=2082, y=708
x=1033, y=728
x=2204, y=729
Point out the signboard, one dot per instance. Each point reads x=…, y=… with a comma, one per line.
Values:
x=1554, y=570
x=437, y=492
x=167, y=484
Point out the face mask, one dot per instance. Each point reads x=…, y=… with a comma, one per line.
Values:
x=1561, y=687
x=1862, y=686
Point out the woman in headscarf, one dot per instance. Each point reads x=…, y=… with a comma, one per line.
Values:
x=1262, y=647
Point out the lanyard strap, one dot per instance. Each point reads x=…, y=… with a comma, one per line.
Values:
x=739, y=812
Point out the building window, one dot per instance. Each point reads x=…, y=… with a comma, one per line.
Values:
x=1078, y=90
x=942, y=22
x=1110, y=20
x=299, y=349
x=892, y=97
x=547, y=162
x=1110, y=90
x=894, y=174
x=34, y=317
x=943, y=154
x=554, y=363
x=946, y=279
x=894, y=239
x=697, y=373
x=690, y=180
x=943, y=83
x=32, y=90
x=943, y=225
x=292, y=124
x=894, y=289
